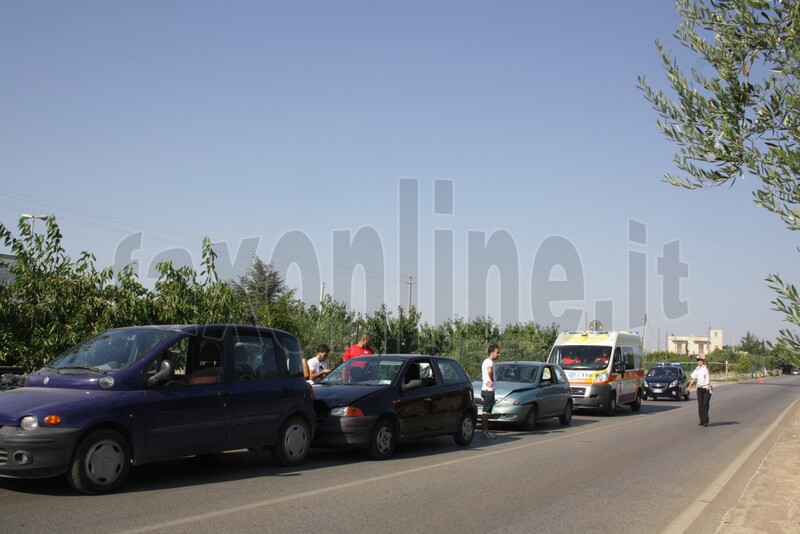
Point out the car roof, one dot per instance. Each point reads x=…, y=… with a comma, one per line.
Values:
x=189, y=327
x=401, y=356
x=524, y=362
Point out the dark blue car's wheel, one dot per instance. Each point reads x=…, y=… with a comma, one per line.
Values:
x=383, y=440
x=101, y=463
x=293, y=443
x=466, y=430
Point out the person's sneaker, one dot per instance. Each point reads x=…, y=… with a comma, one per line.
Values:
x=488, y=435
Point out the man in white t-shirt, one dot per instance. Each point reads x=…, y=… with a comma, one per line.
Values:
x=487, y=390
x=317, y=368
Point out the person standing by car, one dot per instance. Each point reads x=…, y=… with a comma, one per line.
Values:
x=361, y=348
x=703, y=378
x=317, y=368
x=487, y=390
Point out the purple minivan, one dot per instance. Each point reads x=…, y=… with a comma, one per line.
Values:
x=139, y=394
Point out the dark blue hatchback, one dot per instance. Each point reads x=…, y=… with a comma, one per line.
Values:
x=139, y=394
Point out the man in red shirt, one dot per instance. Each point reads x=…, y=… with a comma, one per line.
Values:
x=361, y=348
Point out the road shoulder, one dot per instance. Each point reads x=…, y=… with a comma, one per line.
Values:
x=769, y=502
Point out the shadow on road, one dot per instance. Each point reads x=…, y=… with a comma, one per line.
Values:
x=725, y=423
x=245, y=465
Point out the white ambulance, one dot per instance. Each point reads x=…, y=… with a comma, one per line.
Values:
x=605, y=369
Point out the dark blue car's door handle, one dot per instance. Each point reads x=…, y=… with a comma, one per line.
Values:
x=224, y=393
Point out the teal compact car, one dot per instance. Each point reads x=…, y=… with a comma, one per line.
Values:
x=527, y=392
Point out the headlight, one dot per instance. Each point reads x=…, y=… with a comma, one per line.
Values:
x=346, y=411
x=506, y=402
x=29, y=422
x=673, y=383
x=602, y=377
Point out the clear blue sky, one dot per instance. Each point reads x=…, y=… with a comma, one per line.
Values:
x=235, y=120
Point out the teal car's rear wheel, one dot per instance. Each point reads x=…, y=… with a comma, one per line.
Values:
x=566, y=417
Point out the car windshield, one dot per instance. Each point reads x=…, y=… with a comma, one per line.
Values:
x=112, y=350
x=510, y=372
x=366, y=371
x=581, y=356
x=663, y=371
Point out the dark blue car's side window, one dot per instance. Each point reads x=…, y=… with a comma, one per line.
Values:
x=292, y=352
x=452, y=373
x=177, y=353
x=254, y=357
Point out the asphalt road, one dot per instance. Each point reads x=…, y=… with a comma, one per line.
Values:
x=654, y=471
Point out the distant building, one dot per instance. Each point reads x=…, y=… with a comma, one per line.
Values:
x=5, y=274
x=695, y=344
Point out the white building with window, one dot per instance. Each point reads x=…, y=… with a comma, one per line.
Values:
x=695, y=344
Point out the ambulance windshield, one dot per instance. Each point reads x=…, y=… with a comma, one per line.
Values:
x=581, y=356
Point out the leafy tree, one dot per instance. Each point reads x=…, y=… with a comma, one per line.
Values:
x=330, y=323
x=53, y=302
x=752, y=345
x=741, y=120
x=183, y=297
x=261, y=284
x=395, y=335
x=528, y=341
x=470, y=339
x=435, y=336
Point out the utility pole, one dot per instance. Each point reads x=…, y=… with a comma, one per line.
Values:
x=410, y=283
x=321, y=292
x=644, y=334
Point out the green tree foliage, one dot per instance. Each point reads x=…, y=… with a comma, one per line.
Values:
x=54, y=302
x=260, y=285
x=184, y=297
x=395, y=334
x=752, y=345
x=470, y=339
x=528, y=341
x=330, y=323
x=433, y=337
x=754, y=355
x=739, y=118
